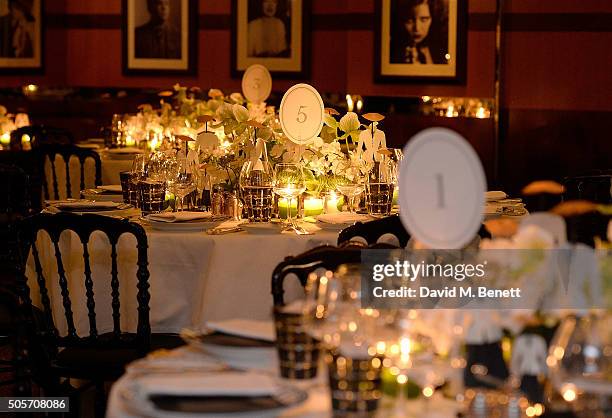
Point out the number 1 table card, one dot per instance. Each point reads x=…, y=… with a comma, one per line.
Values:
x=301, y=113
x=441, y=189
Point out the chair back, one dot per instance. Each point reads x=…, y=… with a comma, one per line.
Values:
x=84, y=226
x=372, y=231
x=326, y=256
x=40, y=135
x=51, y=152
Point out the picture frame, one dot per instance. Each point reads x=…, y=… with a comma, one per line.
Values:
x=22, y=44
x=421, y=41
x=287, y=23
x=145, y=22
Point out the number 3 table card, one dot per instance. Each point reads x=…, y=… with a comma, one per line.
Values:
x=256, y=83
x=442, y=186
x=301, y=113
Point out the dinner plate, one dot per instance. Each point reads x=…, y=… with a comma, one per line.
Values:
x=235, y=350
x=187, y=226
x=138, y=402
x=101, y=197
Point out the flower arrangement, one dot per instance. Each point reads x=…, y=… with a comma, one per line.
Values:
x=340, y=152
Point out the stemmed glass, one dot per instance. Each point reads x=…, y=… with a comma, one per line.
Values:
x=288, y=182
x=351, y=188
x=184, y=184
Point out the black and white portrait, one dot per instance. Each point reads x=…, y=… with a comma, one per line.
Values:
x=269, y=29
x=20, y=34
x=420, y=38
x=271, y=33
x=159, y=35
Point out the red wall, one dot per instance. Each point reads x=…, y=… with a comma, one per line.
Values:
x=340, y=60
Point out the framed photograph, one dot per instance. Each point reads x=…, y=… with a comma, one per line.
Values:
x=273, y=33
x=159, y=36
x=21, y=39
x=421, y=40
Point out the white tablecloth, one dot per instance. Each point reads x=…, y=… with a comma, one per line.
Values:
x=195, y=277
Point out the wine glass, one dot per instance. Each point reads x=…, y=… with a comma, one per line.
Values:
x=184, y=184
x=351, y=187
x=288, y=182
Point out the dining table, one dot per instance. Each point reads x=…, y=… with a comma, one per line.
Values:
x=195, y=277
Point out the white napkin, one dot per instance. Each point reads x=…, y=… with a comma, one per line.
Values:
x=126, y=150
x=342, y=218
x=111, y=188
x=85, y=204
x=493, y=195
x=178, y=216
x=249, y=328
x=209, y=384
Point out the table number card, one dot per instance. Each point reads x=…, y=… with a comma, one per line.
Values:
x=301, y=113
x=256, y=83
x=441, y=189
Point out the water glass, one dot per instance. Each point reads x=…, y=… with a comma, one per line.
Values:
x=129, y=187
x=298, y=351
x=152, y=196
x=256, y=187
x=379, y=198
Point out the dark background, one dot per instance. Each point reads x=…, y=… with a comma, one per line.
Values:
x=556, y=88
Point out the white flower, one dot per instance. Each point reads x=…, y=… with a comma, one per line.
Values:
x=349, y=122
x=237, y=98
x=533, y=237
x=240, y=113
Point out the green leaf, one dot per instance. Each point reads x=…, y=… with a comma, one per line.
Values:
x=264, y=133
x=330, y=121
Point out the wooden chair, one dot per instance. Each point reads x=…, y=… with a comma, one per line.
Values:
x=97, y=357
x=372, y=231
x=66, y=151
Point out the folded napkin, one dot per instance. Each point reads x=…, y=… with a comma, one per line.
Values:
x=87, y=204
x=249, y=328
x=111, y=188
x=493, y=195
x=342, y=218
x=178, y=216
x=209, y=384
x=182, y=358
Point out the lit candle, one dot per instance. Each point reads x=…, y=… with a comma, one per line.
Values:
x=5, y=139
x=129, y=141
x=313, y=206
x=331, y=202
x=25, y=142
x=283, y=204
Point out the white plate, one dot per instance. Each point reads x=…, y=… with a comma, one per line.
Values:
x=135, y=400
x=191, y=226
x=263, y=228
x=102, y=197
